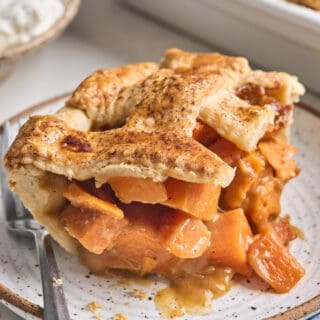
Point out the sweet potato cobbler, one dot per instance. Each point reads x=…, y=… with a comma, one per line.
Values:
x=172, y=169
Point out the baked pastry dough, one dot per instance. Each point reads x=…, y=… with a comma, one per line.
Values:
x=187, y=129
x=48, y=144
x=96, y=93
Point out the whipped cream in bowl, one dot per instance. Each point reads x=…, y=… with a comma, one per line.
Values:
x=27, y=25
x=21, y=20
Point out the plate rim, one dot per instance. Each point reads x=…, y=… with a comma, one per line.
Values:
x=13, y=300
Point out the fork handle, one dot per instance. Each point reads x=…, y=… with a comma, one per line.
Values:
x=54, y=302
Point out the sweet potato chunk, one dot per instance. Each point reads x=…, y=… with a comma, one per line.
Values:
x=83, y=200
x=184, y=236
x=248, y=169
x=138, y=247
x=227, y=151
x=230, y=234
x=262, y=203
x=274, y=263
x=198, y=199
x=204, y=134
x=129, y=189
x=284, y=230
x=280, y=157
x=95, y=231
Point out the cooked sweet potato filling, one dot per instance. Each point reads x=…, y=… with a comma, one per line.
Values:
x=129, y=189
x=175, y=227
x=274, y=263
x=230, y=239
x=197, y=199
x=141, y=143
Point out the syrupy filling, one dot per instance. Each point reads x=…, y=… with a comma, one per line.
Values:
x=189, y=232
x=262, y=174
x=258, y=95
x=155, y=238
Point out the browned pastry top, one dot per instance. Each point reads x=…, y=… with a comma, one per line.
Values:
x=48, y=144
x=137, y=120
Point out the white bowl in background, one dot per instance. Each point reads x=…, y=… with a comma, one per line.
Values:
x=274, y=34
x=9, y=55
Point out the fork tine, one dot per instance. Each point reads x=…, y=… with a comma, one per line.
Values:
x=7, y=196
x=21, y=211
x=6, y=138
x=55, y=306
x=21, y=122
x=13, y=206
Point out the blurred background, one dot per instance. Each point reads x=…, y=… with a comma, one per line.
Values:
x=106, y=33
x=273, y=34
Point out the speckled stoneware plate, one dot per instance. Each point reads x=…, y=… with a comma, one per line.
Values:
x=246, y=300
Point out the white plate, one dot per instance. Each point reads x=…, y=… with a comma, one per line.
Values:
x=19, y=270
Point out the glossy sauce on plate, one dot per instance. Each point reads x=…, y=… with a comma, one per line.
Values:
x=193, y=294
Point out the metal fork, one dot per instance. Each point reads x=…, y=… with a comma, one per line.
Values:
x=20, y=222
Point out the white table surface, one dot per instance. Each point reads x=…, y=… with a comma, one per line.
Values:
x=104, y=34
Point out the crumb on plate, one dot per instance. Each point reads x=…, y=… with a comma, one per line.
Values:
x=94, y=305
x=138, y=294
x=119, y=316
x=57, y=282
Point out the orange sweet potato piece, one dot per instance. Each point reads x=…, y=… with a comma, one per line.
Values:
x=248, y=169
x=230, y=234
x=95, y=231
x=263, y=199
x=274, y=263
x=227, y=151
x=198, y=199
x=283, y=229
x=177, y=232
x=280, y=157
x=83, y=200
x=129, y=189
x=138, y=247
x=182, y=235
x=204, y=134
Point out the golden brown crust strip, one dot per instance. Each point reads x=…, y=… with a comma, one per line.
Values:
x=95, y=94
x=170, y=101
x=48, y=144
x=182, y=61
